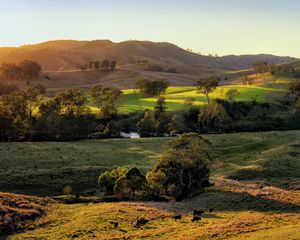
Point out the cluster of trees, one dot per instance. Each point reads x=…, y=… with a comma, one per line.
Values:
x=106, y=99
x=26, y=69
x=247, y=80
x=154, y=123
x=105, y=65
x=152, y=88
x=285, y=71
x=27, y=115
x=263, y=66
x=276, y=70
x=181, y=172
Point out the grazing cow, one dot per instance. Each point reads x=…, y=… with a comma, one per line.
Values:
x=210, y=210
x=115, y=224
x=176, y=217
x=140, y=222
x=196, y=219
x=198, y=212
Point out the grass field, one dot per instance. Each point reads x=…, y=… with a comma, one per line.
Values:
x=256, y=195
x=49, y=166
x=176, y=96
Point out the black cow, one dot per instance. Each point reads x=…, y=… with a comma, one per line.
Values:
x=140, y=222
x=196, y=219
x=198, y=212
x=177, y=217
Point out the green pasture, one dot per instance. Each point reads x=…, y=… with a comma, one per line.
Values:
x=49, y=166
x=133, y=100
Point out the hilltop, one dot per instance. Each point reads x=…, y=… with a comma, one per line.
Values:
x=54, y=55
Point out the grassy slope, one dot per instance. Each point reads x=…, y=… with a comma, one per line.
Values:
x=18, y=211
x=50, y=165
x=252, y=209
x=176, y=96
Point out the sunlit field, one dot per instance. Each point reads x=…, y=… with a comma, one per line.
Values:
x=176, y=96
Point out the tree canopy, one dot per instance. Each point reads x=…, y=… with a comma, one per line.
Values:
x=182, y=170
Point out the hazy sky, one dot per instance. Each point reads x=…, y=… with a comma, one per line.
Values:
x=209, y=26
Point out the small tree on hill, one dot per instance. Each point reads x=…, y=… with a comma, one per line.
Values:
x=208, y=85
x=232, y=95
x=112, y=65
x=105, y=65
x=97, y=65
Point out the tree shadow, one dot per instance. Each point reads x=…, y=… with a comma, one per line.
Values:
x=227, y=201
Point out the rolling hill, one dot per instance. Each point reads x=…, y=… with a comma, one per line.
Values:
x=59, y=58
x=54, y=55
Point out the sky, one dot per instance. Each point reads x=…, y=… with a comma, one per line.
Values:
x=208, y=26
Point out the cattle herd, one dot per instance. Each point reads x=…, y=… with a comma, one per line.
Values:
x=142, y=221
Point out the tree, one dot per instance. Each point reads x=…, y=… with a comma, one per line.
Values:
x=297, y=105
x=107, y=99
x=152, y=88
x=182, y=170
x=72, y=101
x=112, y=65
x=30, y=69
x=135, y=180
x=213, y=117
x=261, y=66
x=97, y=65
x=294, y=87
x=14, y=118
x=244, y=80
x=160, y=106
x=11, y=71
x=232, y=95
x=107, y=180
x=32, y=98
x=26, y=69
x=105, y=65
x=121, y=181
x=208, y=85
x=146, y=127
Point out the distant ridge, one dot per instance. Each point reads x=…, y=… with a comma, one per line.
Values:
x=54, y=55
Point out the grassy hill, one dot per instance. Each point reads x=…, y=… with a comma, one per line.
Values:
x=256, y=195
x=54, y=55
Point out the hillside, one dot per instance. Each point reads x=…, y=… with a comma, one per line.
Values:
x=256, y=192
x=19, y=211
x=65, y=54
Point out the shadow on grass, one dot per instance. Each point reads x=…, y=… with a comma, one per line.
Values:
x=222, y=200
